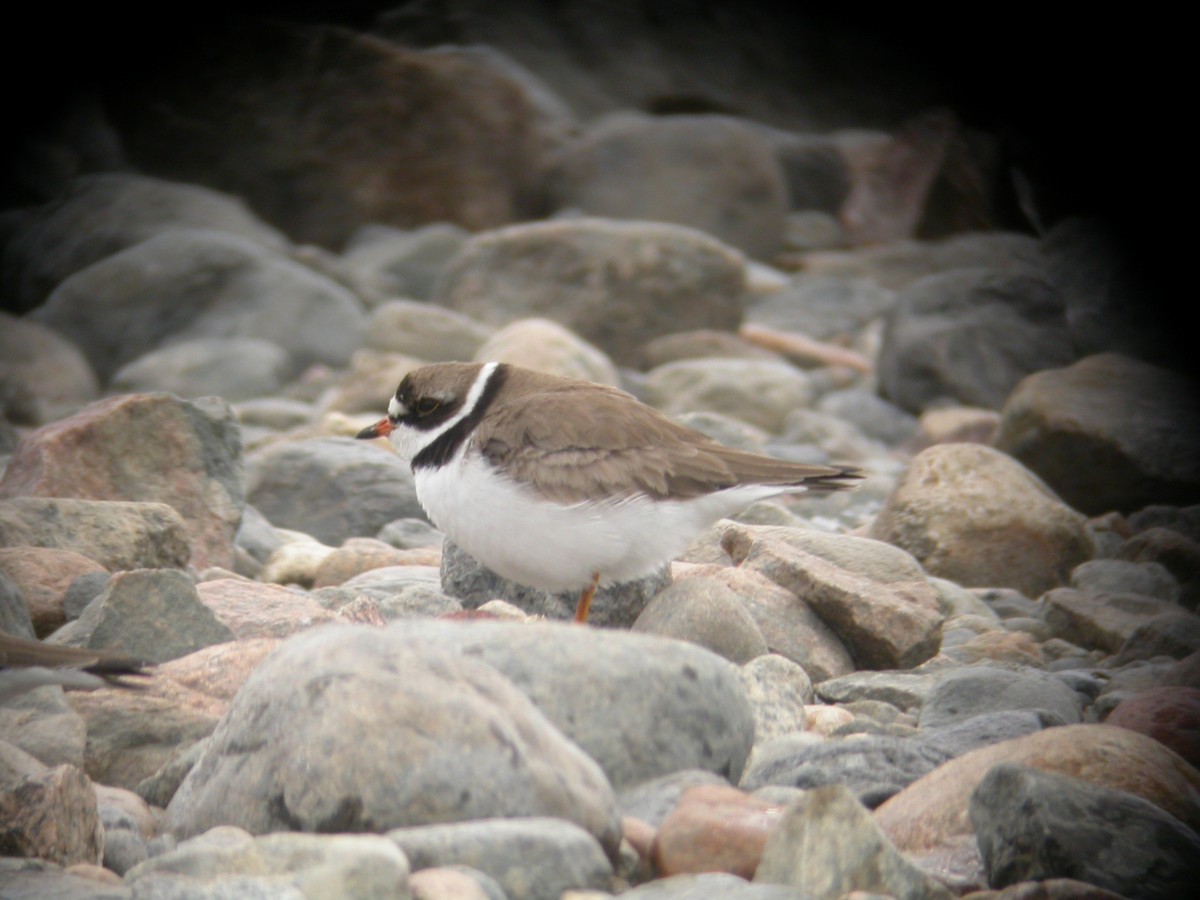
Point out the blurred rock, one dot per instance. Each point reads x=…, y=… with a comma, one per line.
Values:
x=193, y=283
x=424, y=331
x=1108, y=432
x=445, y=135
x=615, y=284
x=970, y=336
x=231, y=368
x=102, y=214
x=546, y=346
x=717, y=174
x=42, y=374
x=331, y=488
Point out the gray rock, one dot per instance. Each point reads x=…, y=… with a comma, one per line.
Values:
x=1032, y=825
x=1122, y=576
x=192, y=283
x=131, y=735
x=255, y=535
x=822, y=307
x=970, y=336
x=1108, y=432
x=124, y=848
x=14, y=611
x=615, y=284
x=777, y=689
x=102, y=214
x=714, y=173
x=330, y=488
x=233, y=368
x=83, y=590
x=874, y=416
x=116, y=534
x=872, y=767
x=961, y=694
x=615, y=605
x=641, y=706
x=705, y=612
x=827, y=844
x=537, y=858
x=152, y=614
x=48, y=812
x=229, y=863
x=758, y=391
x=42, y=723
x=986, y=728
x=384, y=262
x=310, y=739
x=904, y=690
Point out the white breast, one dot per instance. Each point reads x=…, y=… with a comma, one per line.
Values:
x=552, y=547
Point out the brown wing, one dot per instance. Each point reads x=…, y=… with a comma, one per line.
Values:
x=18, y=652
x=622, y=448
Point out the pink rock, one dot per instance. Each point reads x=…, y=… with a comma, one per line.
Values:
x=142, y=447
x=714, y=829
x=254, y=610
x=43, y=574
x=1170, y=715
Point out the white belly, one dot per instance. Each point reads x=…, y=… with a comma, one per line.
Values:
x=555, y=548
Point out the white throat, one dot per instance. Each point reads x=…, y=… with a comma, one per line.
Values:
x=409, y=441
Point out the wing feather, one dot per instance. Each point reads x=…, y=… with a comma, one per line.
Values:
x=622, y=448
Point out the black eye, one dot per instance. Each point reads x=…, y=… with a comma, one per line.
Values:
x=427, y=405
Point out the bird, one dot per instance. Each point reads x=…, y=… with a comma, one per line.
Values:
x=27, y=664
x=563, y=484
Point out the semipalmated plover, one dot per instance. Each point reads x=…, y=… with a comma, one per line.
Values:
x=26, y=664
x=560, y=484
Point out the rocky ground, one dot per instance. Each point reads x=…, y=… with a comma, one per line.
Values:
x=977, y=674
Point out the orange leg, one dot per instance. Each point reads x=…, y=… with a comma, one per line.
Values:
x=585, y=600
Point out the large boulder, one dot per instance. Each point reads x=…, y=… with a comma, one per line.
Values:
x=979, y=518
x=314, y=739
x=421, y=136
x=188, y=283
x=970, y=335
x=616, y=284
x=1108, y=433
x=714, y=173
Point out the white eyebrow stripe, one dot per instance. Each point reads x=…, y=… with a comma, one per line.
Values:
x=473, y=397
